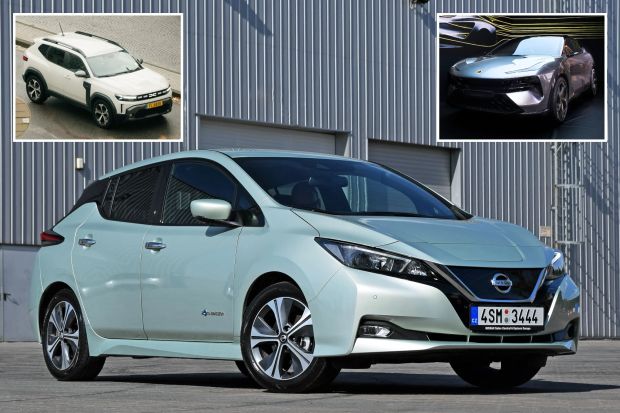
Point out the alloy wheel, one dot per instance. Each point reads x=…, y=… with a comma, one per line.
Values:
x=63, y=336
x=561, y=101
x=34, y=89
x=102, y=114
x=282, y=338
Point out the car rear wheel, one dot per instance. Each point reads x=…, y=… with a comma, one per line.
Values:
x=35, y=88
x=103, y=114
x=559, y=100
x=65, y=346
x=510, y=372
x=277, y=342
x=593, y=83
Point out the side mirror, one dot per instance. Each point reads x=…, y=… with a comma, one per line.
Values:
x=80, y=73
x=140, y=61
x=212, y=211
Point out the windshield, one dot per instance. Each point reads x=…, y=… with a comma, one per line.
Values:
x=114, y=63
x=546, y=46
x=345, y=187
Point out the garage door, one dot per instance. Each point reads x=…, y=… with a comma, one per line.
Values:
x=219, y=134
x=429, y=165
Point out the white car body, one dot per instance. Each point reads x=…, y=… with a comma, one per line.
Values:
x=58, y=62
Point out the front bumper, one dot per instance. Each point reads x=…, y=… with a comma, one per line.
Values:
x=133, y=110
x=494, y=97
x=434, y=320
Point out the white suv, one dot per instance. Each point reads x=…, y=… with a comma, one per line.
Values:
x=96, y=73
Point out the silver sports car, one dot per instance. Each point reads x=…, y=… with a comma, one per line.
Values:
x=527, y=75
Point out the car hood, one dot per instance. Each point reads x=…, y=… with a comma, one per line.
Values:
x=472, y=242
x=135, y=83
x=498, y=67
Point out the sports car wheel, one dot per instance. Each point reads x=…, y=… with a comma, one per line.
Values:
x=593, y=83
x=559, y=100
x=35, y=89
x=65, y=346
x=510, y=373
x=277, y=342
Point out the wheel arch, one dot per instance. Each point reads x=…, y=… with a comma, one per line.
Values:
x=99, y=95
x=32, y=71
x=265, y=280
x=47, y=296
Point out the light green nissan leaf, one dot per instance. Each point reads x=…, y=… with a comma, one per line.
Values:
x=294, y=265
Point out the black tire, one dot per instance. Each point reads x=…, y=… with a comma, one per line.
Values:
x=559, y=100
x=593, y=83
x=318, y=373
x=103, y=113
x=35, y=89
x=78, y=365
x=242, y=368
x=513, y=372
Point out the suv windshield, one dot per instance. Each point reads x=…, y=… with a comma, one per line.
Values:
x=545, y=46
x=345, y=187
x=114, y=63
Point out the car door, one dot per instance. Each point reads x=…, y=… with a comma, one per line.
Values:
x=187, y=265
x=73, y=85
x=107, y=251
x=54, y=75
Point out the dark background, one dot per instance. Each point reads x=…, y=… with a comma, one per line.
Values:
x=585, y=118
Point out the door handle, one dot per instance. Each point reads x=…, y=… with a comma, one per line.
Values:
x=155, y=245
x=86, y=242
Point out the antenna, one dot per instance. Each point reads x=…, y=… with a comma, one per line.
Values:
x=61, y=31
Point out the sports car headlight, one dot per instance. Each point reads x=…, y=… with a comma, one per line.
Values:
x=126, y=97
x=370, y=259
x=557, y=268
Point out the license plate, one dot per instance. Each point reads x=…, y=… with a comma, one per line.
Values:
x=153, y=105
x=506, y=318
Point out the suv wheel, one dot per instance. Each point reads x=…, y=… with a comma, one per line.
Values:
x=559, y=100
x=65, y=347
x=277, y=342
x=103, y=113
x=36, y=89
x=513, y=372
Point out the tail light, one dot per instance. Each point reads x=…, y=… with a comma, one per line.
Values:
x=50, y=237
x=24, y=58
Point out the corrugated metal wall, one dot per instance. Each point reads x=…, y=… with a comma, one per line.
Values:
x=363, y=66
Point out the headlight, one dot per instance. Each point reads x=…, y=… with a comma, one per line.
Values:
x=557, y=267
x=370, y=259
x=126, y=97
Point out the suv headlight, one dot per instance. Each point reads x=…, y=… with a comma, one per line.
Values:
x=557, y=268
x=126, y=97
x=370, y=259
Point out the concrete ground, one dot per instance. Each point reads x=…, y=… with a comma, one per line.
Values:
x=588, y=381
x=58, y=119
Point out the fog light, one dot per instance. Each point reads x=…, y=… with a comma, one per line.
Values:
x=374, y=331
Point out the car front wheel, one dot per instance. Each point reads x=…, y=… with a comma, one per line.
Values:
x=65, y=346
x=559, y=100
x=277, y=342
x=510, y=372
x=103, y=114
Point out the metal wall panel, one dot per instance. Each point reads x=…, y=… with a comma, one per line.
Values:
x=367, y=67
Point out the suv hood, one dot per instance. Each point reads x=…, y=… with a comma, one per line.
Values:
x=473, y=242
x=499, y=67
x=135, y=83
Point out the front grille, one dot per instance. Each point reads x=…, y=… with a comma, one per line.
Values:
x=486, y=101
x=496, y=85
x=478, y=281
x=152, y=95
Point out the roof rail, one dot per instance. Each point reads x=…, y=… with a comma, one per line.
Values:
x=75, y=49
x=99, y=37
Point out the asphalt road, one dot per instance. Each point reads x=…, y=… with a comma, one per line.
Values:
x=588, y=381
x=58, y=119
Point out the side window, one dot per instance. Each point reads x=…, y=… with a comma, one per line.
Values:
x=194, y=180
x=55, y=55
x=133, y=197
x=93, y=193
x=43, y=49
x=73, y=62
